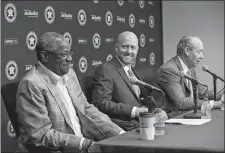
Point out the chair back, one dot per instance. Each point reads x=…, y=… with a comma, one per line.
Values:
x=8, y=92
x=86, y=85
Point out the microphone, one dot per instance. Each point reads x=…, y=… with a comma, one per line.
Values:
x=206, y=69
x=182, y=74
x=134, y=80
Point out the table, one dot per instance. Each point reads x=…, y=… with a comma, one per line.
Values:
x=208, y=137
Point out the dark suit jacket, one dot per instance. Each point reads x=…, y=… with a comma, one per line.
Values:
x=113, y=93
x=44, y=120
x=176, y=89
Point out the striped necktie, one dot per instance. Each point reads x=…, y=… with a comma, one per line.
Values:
x=135, y=87
x=190, y=84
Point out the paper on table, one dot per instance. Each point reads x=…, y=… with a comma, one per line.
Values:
x=188, y=121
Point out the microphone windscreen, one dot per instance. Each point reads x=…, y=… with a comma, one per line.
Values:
x=181, y=73
x=205, y=68
x=133, y=80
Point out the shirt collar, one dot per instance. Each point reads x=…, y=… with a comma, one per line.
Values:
x=54, y=77
x=125, y=67
x=184, y=66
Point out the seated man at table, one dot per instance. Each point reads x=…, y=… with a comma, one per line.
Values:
x=52, y=109
x=178, y=90
x=113, y=93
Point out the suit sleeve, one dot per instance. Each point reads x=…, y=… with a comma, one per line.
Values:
x=171, y=84
x=35, y=124
x=102, y=94
x=102, y=120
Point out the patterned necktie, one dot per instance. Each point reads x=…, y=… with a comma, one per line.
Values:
x=135, y=87
x=190, y=84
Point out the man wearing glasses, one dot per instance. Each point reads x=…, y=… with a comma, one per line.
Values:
x=52, y=109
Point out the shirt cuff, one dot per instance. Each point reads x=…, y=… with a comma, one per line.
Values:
x=133, y=112
x=81, y=143
x=212, y=104
x=121, y=132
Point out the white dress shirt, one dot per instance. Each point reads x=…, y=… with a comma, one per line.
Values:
x=126, y=68
x=60, y=83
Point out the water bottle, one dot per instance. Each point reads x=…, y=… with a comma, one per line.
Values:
x=222, y=102
x=206, y=109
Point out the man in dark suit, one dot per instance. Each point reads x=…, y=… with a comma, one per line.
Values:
x=178, y=90
x=113, y=93
x=52, y=109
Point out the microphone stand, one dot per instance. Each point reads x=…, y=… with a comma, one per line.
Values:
x=151, y=102
x=194, y=114
x=214, y=87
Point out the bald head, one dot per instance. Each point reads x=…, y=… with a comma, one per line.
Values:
x=127, y=47
x=127, y=36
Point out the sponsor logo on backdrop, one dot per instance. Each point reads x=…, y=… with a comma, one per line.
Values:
x=151, y=21
x=96, y=63
x=96, y=18
x=131, y=20
x=68, y=38
x=82, y=41
x=96, y=40
x=120, y=19
x=10, y=130
x=152, y=58
x=11, y=41
x=109, y=57
x=108, y=18
x=151, y=40
x=30, y=13
x=109, y=40
x=82, y=17
x=66, y=16
x=96, y=1
x=120, y=2
x=83, y=64
x=142, y=40
x=143, y=59
x=28, y=67
x=10, y=12
x=31, y=40
x=131, y=1
x=151, y=2
x=141, y=4
x=11, y=70
x=49, y=14
x=142, y=21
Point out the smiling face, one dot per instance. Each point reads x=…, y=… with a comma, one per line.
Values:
x=60, y=60
x=194, y=53
x=127, y=47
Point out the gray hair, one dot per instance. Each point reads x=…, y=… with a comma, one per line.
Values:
x=185, y=41
x=49, y=41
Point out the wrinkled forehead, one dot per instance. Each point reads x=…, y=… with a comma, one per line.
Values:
x=197, y=43
x=61, y=45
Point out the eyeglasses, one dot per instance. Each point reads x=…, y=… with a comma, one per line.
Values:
x=62, y=55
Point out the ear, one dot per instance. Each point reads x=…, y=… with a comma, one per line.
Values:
x=44, y=56
x=186, y=51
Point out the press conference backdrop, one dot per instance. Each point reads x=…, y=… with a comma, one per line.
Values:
x=91, y=27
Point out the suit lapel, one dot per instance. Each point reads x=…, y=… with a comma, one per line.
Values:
x=53, y=90
x=123, y=74
x=177, y=61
